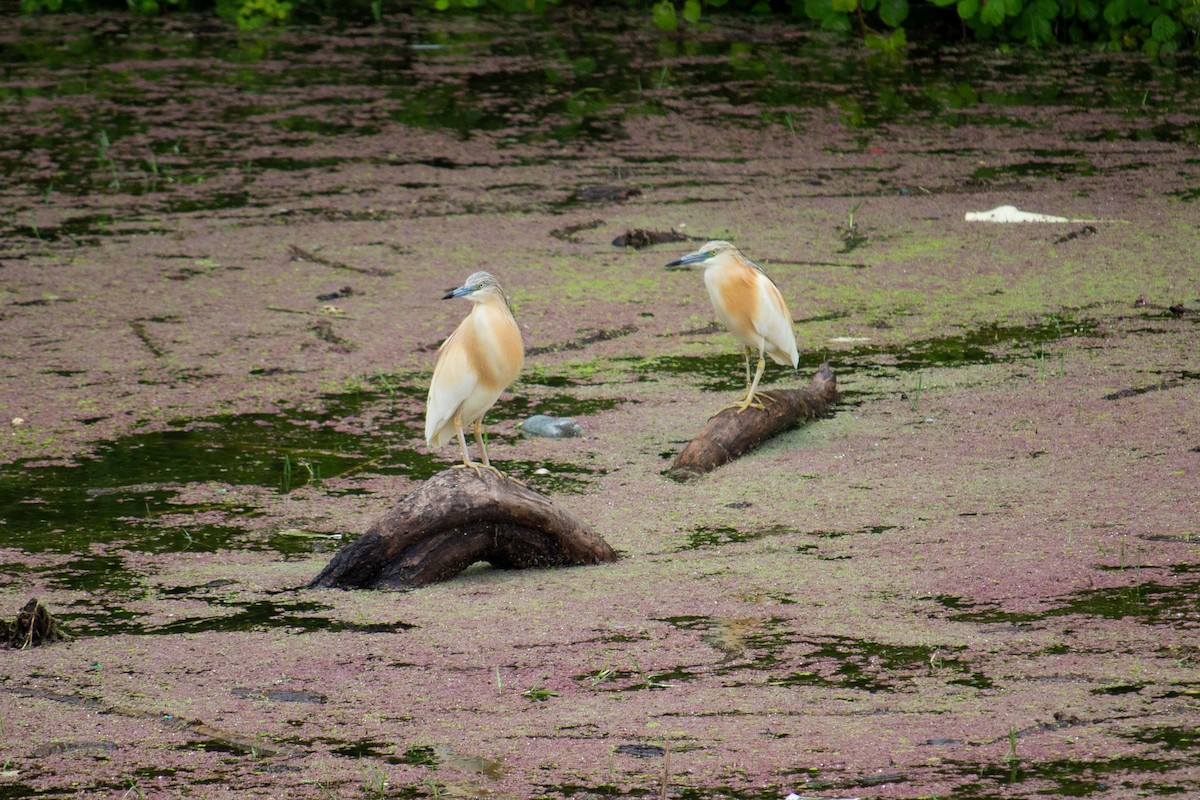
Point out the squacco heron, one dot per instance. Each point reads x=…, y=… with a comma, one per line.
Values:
x=750, y=305
x=478, y=362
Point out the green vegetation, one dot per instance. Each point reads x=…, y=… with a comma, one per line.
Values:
x=1117, y=24
x=648, y=681
x=539, y=694
x=1155, y=26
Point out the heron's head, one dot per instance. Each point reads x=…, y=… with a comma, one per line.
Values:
x=476, y=288
x=708, y=251
x=480, y=287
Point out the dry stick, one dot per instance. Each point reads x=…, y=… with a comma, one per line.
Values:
x=307, y=312
x=456, y=518
x=301, y=254
x=731, y=433
x=666, y=778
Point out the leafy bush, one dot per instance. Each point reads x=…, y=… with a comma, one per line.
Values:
x=503, y=6
x=36, y=6
x=252, y=14
x=1155, y=26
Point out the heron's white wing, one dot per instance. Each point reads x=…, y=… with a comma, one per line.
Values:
x=773, y=322
x=453, y=382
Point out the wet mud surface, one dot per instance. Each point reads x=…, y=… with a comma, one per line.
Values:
x=220, y=264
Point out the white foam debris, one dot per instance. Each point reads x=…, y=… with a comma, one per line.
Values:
x=1014, y=214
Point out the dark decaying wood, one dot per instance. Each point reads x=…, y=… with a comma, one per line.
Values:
x=33, y=626
x=637, y=238
x=455, y=519
x=731, y=433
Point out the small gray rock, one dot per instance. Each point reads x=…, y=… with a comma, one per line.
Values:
x=551, y=427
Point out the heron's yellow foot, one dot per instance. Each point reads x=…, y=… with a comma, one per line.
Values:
x=755, y=400
x=749, y=402
x=477, y=466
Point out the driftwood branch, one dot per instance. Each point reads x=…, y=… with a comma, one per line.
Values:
x=731, y=434
x=300, y=254
x=458, y=518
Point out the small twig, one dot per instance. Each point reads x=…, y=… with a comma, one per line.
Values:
x=666, y=778
x=303, y=312
x=299, y=254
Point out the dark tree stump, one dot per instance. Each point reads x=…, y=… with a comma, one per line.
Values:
x=455, y=519
x=731, y=434
x=33, y=626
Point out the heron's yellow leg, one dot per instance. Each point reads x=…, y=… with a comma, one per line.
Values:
x=462, y=442
x=479, y=441
x=750, y=400
x=483, y=447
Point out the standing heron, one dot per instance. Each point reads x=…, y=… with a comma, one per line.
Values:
x=478, y=362
x=748, y=302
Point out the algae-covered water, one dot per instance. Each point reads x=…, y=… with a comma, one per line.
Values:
x=221, y=258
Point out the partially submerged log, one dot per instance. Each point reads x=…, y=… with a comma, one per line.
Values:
x=455, y=519
x=637, y=238
x=731, y=433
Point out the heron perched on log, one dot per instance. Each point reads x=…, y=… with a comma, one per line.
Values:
x=748, y=302
x=474, y=366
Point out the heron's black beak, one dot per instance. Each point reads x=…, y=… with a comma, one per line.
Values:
x=690, y=258
x=461, y=291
